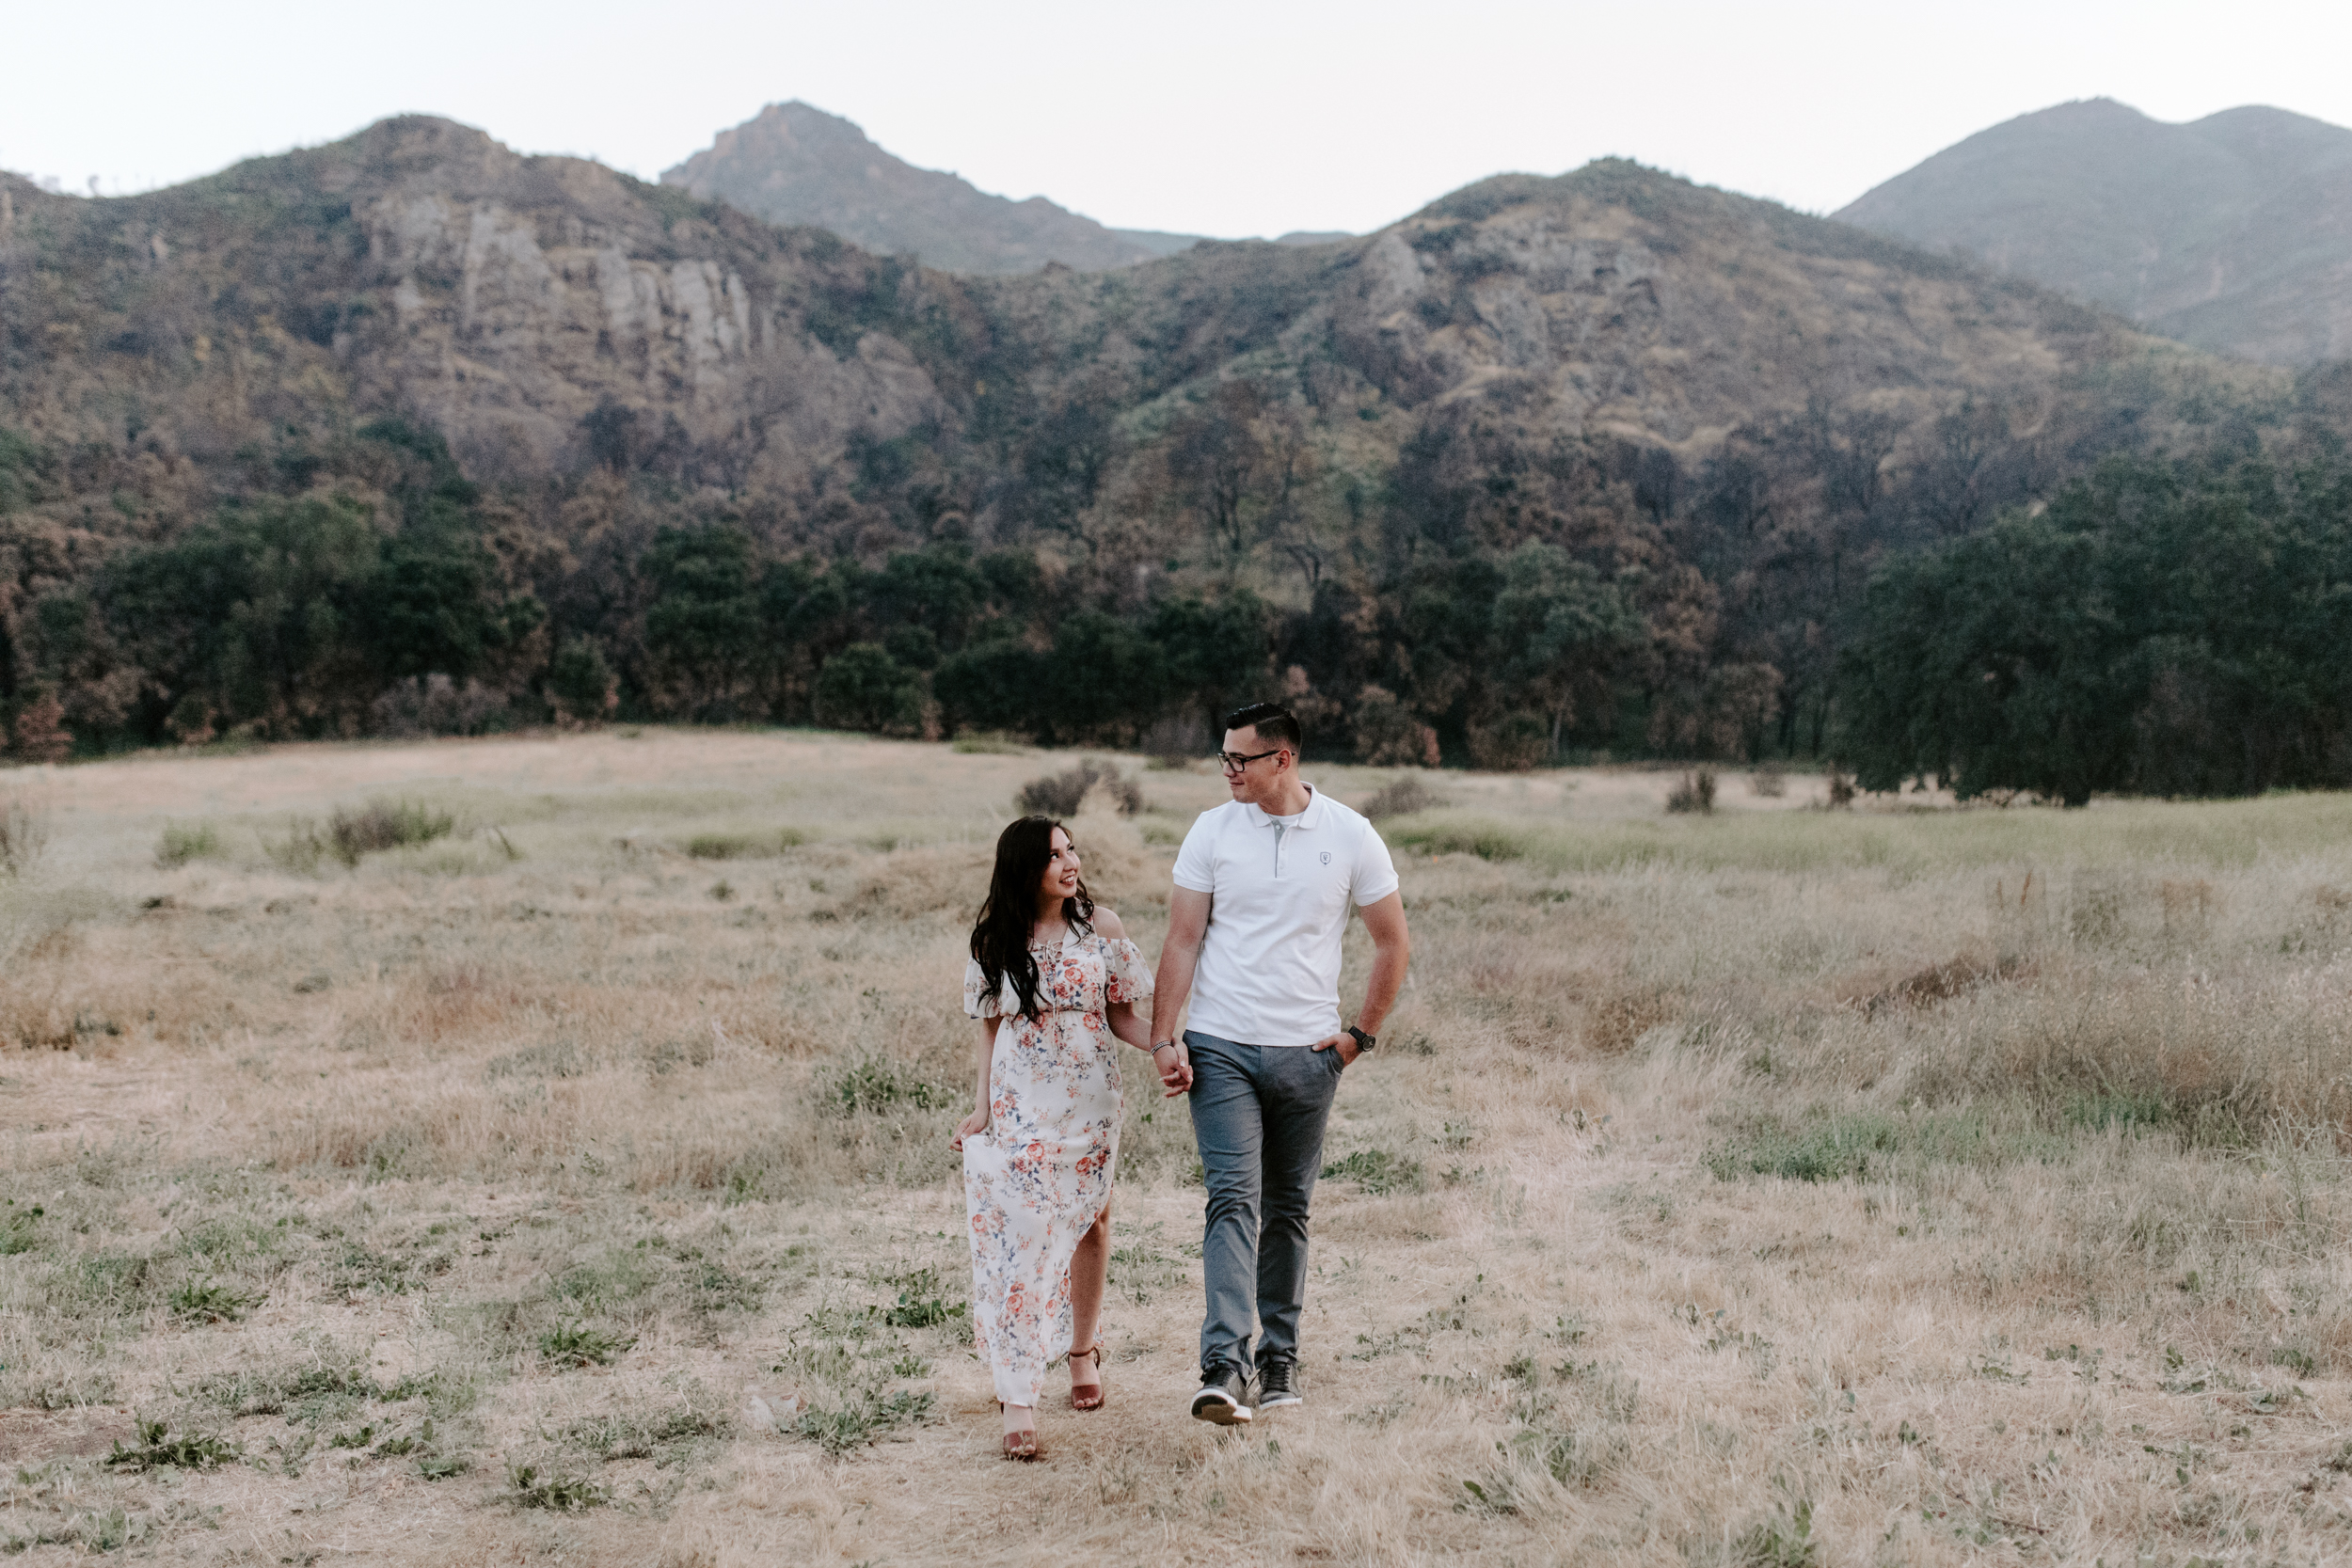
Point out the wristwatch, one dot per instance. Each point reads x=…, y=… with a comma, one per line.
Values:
x=1363, y=1041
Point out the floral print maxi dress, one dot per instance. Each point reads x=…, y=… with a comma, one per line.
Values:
x=1040, y=1176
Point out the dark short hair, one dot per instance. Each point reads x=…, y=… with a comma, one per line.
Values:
x=1272, y=721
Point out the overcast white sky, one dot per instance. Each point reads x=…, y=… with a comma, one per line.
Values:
x=1215, y=117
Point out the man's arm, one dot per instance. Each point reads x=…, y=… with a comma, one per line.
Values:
x=1391, y=950
x=1187, y=923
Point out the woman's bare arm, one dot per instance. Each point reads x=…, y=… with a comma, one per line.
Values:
x=985, y=1058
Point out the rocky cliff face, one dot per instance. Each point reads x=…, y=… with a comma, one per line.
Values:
x=792, y=164
x=2232, y=233
x=420, y=267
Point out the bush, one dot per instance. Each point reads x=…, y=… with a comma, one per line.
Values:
x=1768, y=781
x=863, y=688
x=384, y=825
x=561, y=1494
x=23, y=834
x=181, y=845
x=580, y=685
x=435, y=704
x=1387, y=735
x=1062, y=794
x=1695, y=793
x=1403, y=798
x=1512, y=744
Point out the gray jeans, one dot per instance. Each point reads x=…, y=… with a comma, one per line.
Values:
x=1258, y=1112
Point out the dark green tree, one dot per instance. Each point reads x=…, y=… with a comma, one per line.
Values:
x=863, y=688
x=703, y=627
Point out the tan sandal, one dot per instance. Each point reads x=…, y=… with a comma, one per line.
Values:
x=1083, y=1399
x=1021, y=1445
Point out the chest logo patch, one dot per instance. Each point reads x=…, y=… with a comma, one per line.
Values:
x=1326, y=857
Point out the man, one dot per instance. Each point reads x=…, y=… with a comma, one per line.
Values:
x=1263, y=884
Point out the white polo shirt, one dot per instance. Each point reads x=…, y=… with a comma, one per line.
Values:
x=1269, y=968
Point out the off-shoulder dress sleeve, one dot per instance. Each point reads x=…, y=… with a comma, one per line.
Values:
x=981, y=999
x=1125, y=977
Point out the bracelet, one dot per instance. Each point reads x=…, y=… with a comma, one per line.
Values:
x=1164, y=1045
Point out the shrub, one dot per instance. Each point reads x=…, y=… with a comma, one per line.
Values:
x=1402, y=798
x=435, y=704
x=1062, y=794
x=1841, y=791
x=181, y=845
x=1389, y=735
x=563, y=1493
x=724, y=846
x=1512, y=744
x=863, y=688
x=1768, y=781
x=384, y=825
x=301, y=849
x=1695, y=793
x=580, y=685
x=23, y=834
x=40, y=731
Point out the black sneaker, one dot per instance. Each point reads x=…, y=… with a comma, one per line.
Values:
x=1223, y=1393
x=1278, y=1385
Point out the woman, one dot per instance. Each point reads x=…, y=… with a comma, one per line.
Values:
x=1051, y=980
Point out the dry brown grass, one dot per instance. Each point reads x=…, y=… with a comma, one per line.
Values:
x=1774, y=1187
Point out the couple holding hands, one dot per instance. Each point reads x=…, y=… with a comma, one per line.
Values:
x=1264, y=886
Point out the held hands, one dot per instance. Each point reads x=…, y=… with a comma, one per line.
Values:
x=970, y=1127
x=1345, y=1043
x=1175, y=1064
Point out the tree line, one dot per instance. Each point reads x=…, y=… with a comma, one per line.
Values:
x=1935, y=599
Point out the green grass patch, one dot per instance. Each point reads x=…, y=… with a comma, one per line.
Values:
x=158, y=1448
x=1379, y=1172
x=2208, y=833
x=1872, y=1144
x=210, y=1300
x=740, y=846
x=184, y=842
x=527, y=1487
x=579, y=1345
x=877, y=1083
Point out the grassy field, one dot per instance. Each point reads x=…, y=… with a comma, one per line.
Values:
x=534, y=1150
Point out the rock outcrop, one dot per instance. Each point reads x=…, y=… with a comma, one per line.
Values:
x=792, y=164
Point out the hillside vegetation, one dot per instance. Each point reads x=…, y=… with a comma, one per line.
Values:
x=410, y=433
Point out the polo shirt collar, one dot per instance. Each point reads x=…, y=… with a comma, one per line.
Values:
x=1311, y=817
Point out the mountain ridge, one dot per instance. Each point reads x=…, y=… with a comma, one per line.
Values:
x=795, y=163
x=2232, y=233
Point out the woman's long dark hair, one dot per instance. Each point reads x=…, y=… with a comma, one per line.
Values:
x=1000, y=938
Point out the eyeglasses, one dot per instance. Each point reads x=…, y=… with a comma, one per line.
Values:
x=1234, y=762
